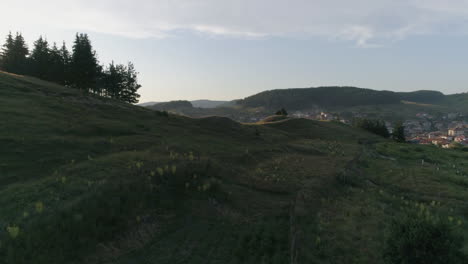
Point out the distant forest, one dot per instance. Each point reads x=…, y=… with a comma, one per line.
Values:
x=334, y=96
x=78, y=69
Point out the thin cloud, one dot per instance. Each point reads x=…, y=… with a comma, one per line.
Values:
x=216, y=30
x=366, y=23
x=361, y=35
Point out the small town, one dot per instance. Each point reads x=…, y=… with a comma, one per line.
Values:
x=447, y=131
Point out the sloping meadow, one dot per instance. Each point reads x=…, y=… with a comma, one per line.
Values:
x=91, y=180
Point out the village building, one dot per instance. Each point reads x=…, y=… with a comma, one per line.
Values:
x=436, y=134
x=455, y=132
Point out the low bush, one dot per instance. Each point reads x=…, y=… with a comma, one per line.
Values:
x=421, y=238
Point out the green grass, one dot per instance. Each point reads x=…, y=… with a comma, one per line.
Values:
x=88, y=179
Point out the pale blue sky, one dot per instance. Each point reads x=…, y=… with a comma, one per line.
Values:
x=229, y=49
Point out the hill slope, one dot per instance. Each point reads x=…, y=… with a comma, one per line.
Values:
x=87, y=179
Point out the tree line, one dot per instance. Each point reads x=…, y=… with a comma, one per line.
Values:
x=78, y=69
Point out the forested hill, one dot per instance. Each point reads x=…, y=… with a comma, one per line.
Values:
x=334, y=96
x=423, y=96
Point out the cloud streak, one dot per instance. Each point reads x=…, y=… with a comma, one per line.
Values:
x=367, y=23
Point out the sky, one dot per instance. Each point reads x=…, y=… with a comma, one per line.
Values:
x=230, y=49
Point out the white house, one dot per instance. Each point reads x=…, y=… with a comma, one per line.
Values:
x=455, y=132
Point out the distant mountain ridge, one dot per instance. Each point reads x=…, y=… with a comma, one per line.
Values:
x=307, y=98
x=203, y=103
x=423, y=96
x=334, y=96
x=172, y=105
x=345, y=102
x=207, y=103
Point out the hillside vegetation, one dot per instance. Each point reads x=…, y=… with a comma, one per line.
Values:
x=345, y=99
x=298, y=99
x=427, y=97
x=86, y=179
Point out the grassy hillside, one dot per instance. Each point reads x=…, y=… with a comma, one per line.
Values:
x=91, y=180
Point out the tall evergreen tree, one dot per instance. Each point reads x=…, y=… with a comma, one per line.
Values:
x=121, y=82
x=6, y=54
x=14, y=54
x=66, y=65
x=20, y=53
x=40, y=59
x=55, y=71
x=129, y=93
x=112, y=81
x=84, y=64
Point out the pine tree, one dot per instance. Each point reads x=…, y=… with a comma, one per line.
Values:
x=6, y=54
x=129, y=93
x=20, y=53
x=55, y=71
x=382, y=129
x=84, y=65
x=112, y=80
x=120, y=82
x=40, y=59
x=399, y=132
x=66, y=65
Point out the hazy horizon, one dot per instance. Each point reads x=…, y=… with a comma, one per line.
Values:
x=232, y=49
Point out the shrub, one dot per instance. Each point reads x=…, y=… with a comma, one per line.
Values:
x=282, y=112
x=419, y=238
x=265, y=241
x=347, y=178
